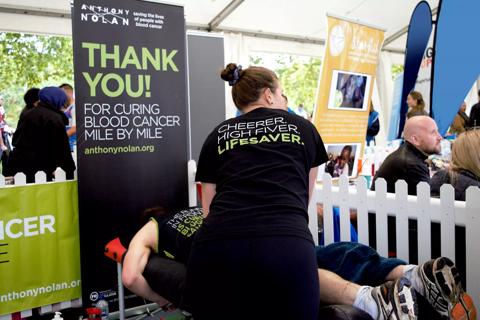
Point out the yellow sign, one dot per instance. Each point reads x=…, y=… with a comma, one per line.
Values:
x=345, y=90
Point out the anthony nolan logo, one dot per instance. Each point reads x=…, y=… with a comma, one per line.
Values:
x=104, y=15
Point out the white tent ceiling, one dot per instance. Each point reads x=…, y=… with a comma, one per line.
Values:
x=299, y=20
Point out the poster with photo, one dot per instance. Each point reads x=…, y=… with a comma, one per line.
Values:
x=342, y=159
x=349, y=91
x=346, y=84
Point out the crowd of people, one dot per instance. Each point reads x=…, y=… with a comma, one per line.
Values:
x=45, y=135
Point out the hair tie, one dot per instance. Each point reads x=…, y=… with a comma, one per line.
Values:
x=236, y=75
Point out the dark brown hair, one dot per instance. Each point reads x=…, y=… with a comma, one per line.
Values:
x=417, y=96
x=248, y=84
x=155, y=212
x=65, y=86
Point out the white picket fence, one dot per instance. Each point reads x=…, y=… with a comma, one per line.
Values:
x=20, y=180
x=422, y=208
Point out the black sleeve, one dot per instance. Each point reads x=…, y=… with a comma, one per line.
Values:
x=320, y=154
x=67, y=163
x=467, y=123
x=18, y=133
x=438, y=179
x=415, y=175
x=64, y=154
x=208, y=160
x=374, y=128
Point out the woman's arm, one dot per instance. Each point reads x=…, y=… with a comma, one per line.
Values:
x=312, y=177
x=136, y=259
x=208, y=192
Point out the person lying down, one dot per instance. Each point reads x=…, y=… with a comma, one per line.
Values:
x=154, y=267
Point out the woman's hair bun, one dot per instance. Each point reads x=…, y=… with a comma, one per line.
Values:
x=227, y=73
x=231, y=73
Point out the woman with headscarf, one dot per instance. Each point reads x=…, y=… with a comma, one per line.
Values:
x=40, y=141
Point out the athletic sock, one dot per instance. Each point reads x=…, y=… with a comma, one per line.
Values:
x=411, y=273
x=365, y=301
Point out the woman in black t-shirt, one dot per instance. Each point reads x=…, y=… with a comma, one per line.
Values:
x=254, y=255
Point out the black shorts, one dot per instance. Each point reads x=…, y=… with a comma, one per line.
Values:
x=252, y=278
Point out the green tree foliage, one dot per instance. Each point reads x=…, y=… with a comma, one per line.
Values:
x=27, y=61
x=298, y=74
x=300, y=81
x=396, y=70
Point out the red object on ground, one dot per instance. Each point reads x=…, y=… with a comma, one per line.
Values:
x=94, y=313
x=115, y=250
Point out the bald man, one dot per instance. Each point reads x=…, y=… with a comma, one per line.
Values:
x=408, y=162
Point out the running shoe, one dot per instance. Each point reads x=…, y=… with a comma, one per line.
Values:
x=396, y=300
x=443, y=290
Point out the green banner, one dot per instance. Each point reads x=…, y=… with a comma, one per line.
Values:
x=39, y=245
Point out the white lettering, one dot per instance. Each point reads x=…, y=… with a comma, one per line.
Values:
x=8, y=229
x=47, y=222
x=27, y=227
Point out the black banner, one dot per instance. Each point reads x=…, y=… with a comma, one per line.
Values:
x=130, y=86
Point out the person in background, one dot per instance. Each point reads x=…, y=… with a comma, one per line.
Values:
x=416, y=105
x=290, y=110
x=69, y=111
x=301, y=111
x=373, y=124
x=461, y=121
x=408, y=162
x=475, y=113
x=3, y=145
x=40, y=141
x=31, y=100
x=464, y=170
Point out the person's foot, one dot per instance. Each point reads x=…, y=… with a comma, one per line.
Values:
x=396, y=300
x=443, y=290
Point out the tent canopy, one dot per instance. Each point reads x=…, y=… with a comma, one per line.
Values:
x=278, y=26
x=301, y=21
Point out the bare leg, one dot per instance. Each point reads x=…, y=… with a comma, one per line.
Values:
x=336, y=290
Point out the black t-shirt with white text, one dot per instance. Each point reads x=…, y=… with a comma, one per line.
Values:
x=260, y=163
